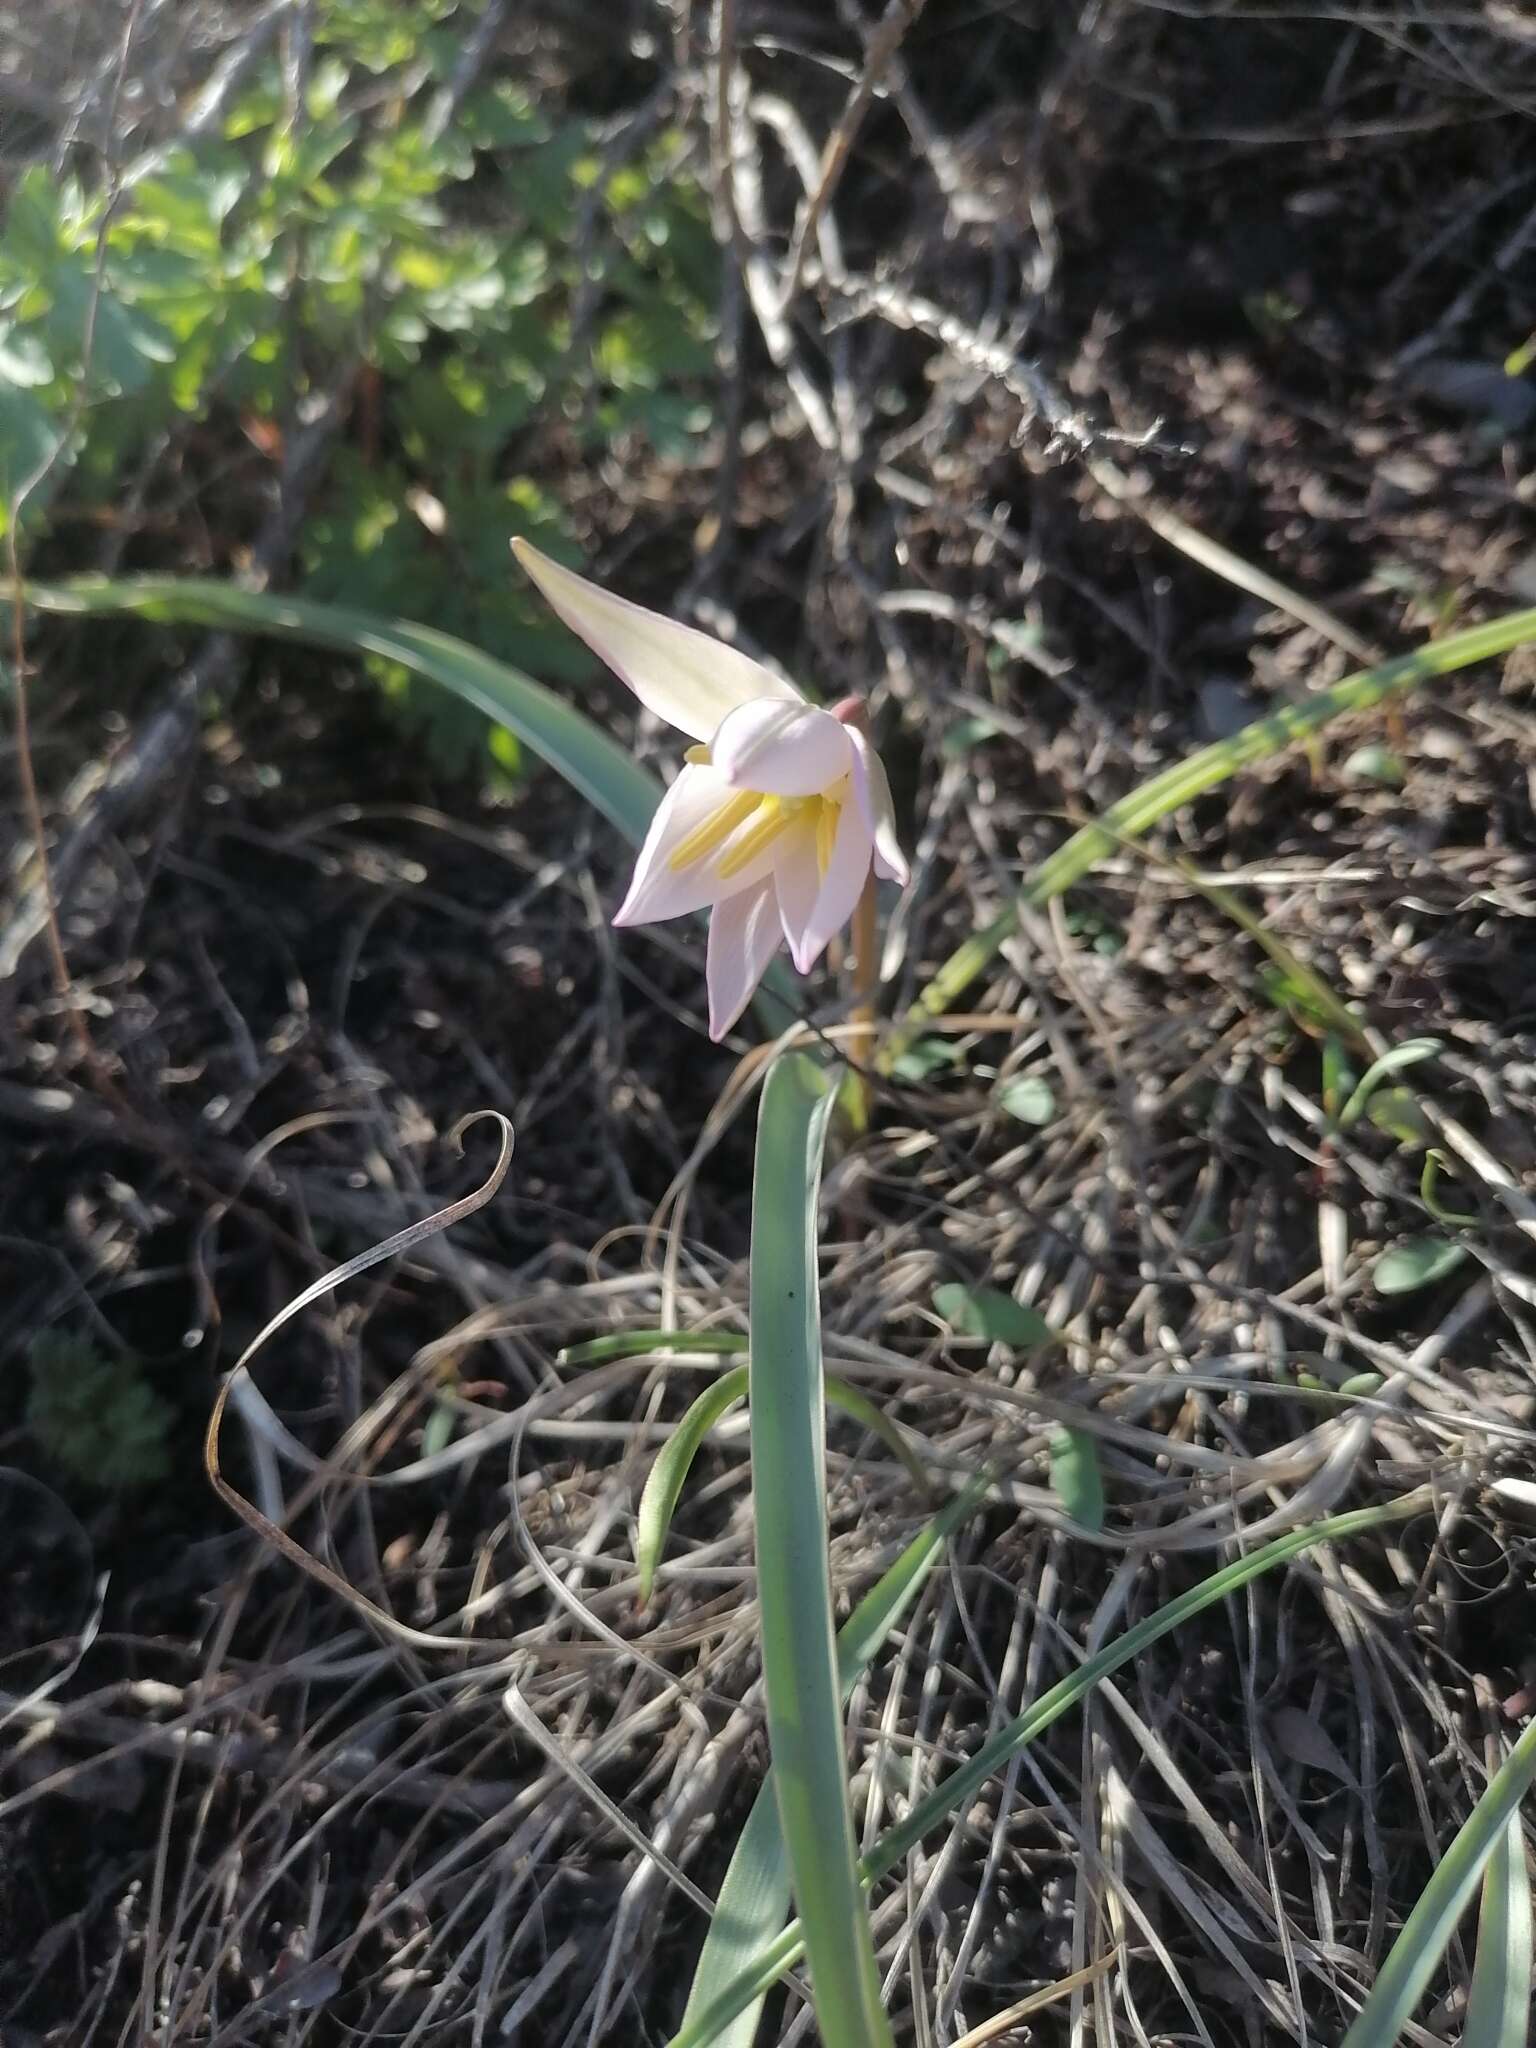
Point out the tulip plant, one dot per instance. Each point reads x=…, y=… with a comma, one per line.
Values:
x=778, y=824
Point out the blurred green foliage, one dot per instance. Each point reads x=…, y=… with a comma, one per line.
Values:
x=96, y=1416
x=510, y=273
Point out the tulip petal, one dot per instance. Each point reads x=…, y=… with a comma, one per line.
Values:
x=797, y=883
x=874, y=793
x=682, y=675
x=841, y=886
x=743, y=937
x=657, y=890
x=785, y=748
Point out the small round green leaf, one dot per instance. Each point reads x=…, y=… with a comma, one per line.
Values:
x=987, y=1312
x=1416, y=1262
x=1029, y=1099
x=1376, y=763
x=927, y=1056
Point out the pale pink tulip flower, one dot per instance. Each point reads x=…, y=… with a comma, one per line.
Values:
x=778, y=816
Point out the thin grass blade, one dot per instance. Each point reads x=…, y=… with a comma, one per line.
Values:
x=1297, y=986
x=595, y=765
x=800, y=1680
x=669, y=1473
x=1187, y=779
x=856, y=1404
x=632, y=1343
x=1415, y=1955
x=1499, y=2008
x=771, y=1961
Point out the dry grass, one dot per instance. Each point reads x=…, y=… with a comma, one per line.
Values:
x=235, y=1809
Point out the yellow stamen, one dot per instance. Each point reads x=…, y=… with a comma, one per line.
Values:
x=775, y=816
x=714, y=831
x=827, y=814
x=696, y=757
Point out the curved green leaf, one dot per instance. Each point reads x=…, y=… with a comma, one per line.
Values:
x=664, y=1482
x=595, y=765
x=668, y=1474
x=853, y=1401
x=1408, y=1054
x=1416, y=1262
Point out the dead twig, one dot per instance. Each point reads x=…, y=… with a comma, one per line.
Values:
x=895, y=24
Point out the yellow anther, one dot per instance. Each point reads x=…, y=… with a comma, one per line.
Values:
x=827, y=814
x=775, y=816
x=696, y=757
x=714, y=831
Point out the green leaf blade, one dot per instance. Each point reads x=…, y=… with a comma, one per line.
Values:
x=1076, y=1479
x=988, y=1312
x=1205, y=769
x=669, y=1471
x=1030, y=1099
x=594, y=765
x=1415, y=1955
x=1416, y=1262
x=1409, y=1054
x=1499, y=2006
x=770, y=1962
x=605, y=773
x=800, y=1677
x=754, y=1895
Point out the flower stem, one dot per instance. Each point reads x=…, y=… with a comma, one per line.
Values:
x=861, y=1040
x=865, y=937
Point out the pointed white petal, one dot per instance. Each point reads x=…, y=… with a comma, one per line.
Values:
x=875, y=794
x=682, y=675
x=743, y=938
x=841, y=885
x=797, y=882
x=657, y=890
x=787, y=749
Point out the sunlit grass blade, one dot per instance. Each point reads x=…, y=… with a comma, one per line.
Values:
x=595, y=765
x=669, y=1472
x=1499, y=2007
x=794, y=1587
x=631, y=1344
x=771, y=1961
x=1294, y=986
x=1415, y=1955
x=857, y=1405
x=670, y=1467
x=755, y=1893
x=1187, y=779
